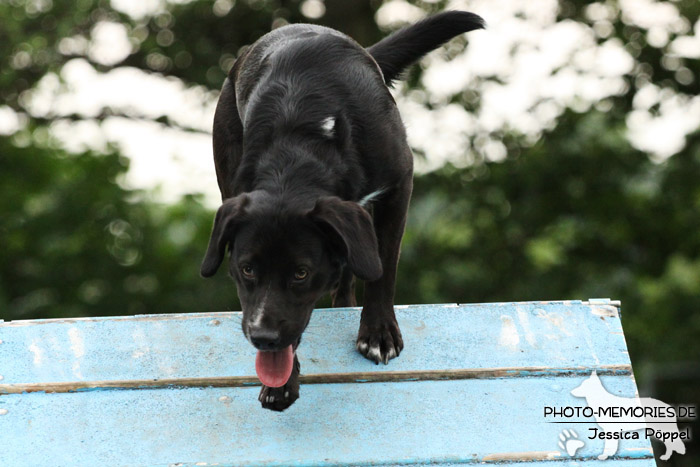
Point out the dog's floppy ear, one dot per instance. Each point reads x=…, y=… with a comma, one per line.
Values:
x=224, y=224
x=352, y=224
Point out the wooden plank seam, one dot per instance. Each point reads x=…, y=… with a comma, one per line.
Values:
x=328, y=378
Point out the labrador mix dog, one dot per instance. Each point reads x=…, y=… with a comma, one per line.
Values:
x=315, y=175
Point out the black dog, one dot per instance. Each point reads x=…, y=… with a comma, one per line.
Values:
x=306, y=138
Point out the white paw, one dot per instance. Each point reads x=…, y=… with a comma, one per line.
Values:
x=568, y=441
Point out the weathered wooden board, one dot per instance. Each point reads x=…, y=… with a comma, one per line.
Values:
x=429, y=421
x=558, y=335
x=471, y=386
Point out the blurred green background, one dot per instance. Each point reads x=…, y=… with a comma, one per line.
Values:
x=575, y=213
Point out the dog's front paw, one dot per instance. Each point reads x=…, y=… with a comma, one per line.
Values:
x=380, y=343
x=278, y=399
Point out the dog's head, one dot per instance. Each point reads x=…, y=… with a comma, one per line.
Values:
x=284, y=256
x=589, y=387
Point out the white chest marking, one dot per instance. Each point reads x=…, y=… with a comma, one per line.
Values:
x=260, y=311
x=328, y=127
x=365, y=201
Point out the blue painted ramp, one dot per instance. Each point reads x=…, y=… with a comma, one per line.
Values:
x=471, y=386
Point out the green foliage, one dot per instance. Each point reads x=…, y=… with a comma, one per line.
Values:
x=578, y=215
x=195, y=41
x=74, y=243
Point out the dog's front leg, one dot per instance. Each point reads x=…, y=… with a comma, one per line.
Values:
x=609, y=449
x=379, y=338
x=278, y=399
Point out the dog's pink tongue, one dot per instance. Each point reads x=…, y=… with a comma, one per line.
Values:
x=274, y=368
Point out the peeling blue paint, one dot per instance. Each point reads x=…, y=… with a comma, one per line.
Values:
x=544, y=349
x=180, y=346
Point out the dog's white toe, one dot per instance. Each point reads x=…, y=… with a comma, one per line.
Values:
x=375, y=353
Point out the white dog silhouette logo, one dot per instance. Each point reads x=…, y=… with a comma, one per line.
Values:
x=601, y=402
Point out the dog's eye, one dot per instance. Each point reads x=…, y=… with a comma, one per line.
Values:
x=247, y=271
x=301, y=274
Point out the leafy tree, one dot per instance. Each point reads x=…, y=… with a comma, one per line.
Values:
x=75, y=243
x=580, y=214
x=573, y=214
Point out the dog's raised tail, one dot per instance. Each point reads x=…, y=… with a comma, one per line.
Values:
x=397, y=51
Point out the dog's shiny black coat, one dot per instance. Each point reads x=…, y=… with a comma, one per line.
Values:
x=305, y=132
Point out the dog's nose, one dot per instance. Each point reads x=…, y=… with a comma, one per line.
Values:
x=263, y=338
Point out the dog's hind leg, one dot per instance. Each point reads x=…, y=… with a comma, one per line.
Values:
x=673, y=446
x=379, y=338
x=344, y=294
